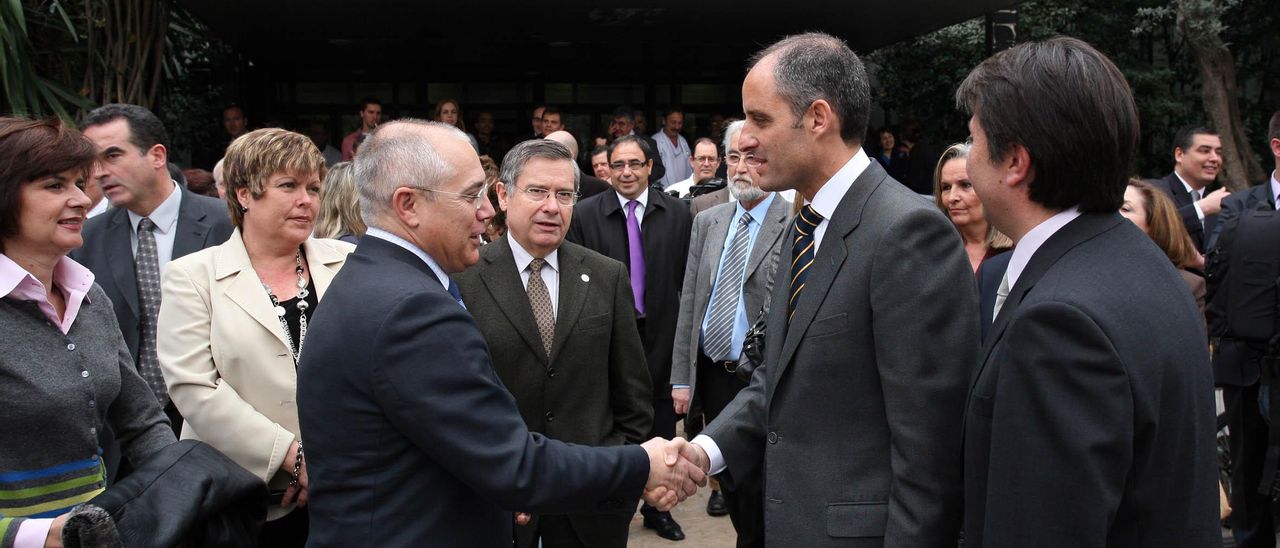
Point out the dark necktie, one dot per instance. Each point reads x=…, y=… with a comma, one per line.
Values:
x=801, y=254
x=147, y=270
x=718, y=336
x=457, y=295
x=635, y=246
x=540, y=301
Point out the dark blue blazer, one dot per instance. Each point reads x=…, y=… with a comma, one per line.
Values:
x=990, y=272
x=1200, y=233
x=411, y=439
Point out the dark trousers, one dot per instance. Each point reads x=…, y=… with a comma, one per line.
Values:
x=558, y=532
x=664, y=418
x=289, y=531
x=745, y=499
x=1251, y=520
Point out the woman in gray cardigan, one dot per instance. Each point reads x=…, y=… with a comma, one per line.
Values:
x=65, y=372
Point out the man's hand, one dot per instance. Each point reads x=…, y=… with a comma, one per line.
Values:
x=672, y=478
x=54, y=538
x=523, y=518
x=1211, y=204
x=680, y=396
x=294, y=493
x=695, y=454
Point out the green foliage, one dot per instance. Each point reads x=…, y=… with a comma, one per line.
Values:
x=27, y=91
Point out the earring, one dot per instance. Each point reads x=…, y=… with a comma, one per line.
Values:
x=244, y=209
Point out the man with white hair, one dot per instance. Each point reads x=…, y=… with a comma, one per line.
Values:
x=412, y=440
x=733, y=253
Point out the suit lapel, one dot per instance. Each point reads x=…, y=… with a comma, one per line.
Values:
x=713, y=245
x=829, y=259
x=502, y=280
x=324, y=262
x=120, y=245
x=574, y=277
x=774, y=223
x=193, y=227
x=245, y=288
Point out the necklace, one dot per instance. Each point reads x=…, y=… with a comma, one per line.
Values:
x=295, y=351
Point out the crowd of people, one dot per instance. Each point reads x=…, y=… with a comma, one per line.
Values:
x=432, y=337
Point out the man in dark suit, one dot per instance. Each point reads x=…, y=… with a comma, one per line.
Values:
x=411, y=438
x=1080, y=429
x=872, y=326
x=133, y=174
x=733, y=255
x=588, y=185
x=990, y=274
x=1197, y=157
x=624, y=124
x=561, y=331
x=647, y=230
x=1237, y=357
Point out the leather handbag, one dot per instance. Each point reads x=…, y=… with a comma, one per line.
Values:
x=753, y=344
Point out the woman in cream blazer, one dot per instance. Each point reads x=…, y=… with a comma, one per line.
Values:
x=233, y=319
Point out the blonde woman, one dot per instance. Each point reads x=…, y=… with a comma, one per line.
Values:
x=953, y=194
x=339, y=216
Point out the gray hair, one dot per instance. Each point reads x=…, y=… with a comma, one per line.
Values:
x=513, y=163
x=731, y=133
x=817, y=66
x=390, y=159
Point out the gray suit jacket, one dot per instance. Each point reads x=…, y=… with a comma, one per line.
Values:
x=108, y=252
x=595, y=388
x=708, y=201
x=705, y=248
x=856, y=413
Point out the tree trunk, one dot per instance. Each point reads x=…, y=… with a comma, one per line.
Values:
x=1199, y=21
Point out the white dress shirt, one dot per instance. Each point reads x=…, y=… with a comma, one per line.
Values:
x=644, y=202
x=1196, y=195
x=825, y=202
x=550, y=274
x=1027, y=246
x=165, y=217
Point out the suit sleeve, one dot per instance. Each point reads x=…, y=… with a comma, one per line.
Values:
x=135, y=416
x=213, y=408
x=1061, y=431
x=924, y=311
x=631, y=390
x=434, y=381
x=684, y=355
x=1195, y=227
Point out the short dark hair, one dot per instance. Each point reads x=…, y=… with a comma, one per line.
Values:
x=1072, y=110
x=671, y=110
x=1273, y=127
x=550, y=110
x=817, y=66
x=1187, y=134
x=602, y=149
x=624, y=111
x=235, y=106
x=364, y=103
x=644, y=146
x=145, y=129
x=33, y=149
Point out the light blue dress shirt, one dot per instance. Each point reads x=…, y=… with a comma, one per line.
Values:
x=740, y=320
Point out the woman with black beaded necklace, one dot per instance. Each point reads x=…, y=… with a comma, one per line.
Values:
x=233, y=319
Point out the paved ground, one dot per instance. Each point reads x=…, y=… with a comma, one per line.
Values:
x=700, y=530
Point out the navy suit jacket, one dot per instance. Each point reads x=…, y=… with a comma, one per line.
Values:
x=108, y=252
x=411, y=438
x=1200, y=232
x=990, y=272
x=1081, y=429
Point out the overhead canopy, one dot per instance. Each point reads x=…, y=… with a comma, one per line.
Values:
x=502, y=40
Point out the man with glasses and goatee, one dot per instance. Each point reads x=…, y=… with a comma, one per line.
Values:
x=647, y=230
x=559, y=323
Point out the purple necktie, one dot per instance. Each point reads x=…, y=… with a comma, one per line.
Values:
x=636, y=246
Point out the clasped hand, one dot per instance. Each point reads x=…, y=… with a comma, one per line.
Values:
x=676, y=470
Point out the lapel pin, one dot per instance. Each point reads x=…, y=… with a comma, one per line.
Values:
x=586, y=278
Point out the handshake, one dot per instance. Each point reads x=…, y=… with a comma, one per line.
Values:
x=676, y=469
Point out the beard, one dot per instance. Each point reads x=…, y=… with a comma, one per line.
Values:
x=741, y=189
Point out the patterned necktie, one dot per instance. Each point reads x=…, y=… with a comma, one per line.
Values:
x=635, y=246
x=147, y=270
x=1002, y=293
x=801, y=254
x=718, y=336
x=540, y=301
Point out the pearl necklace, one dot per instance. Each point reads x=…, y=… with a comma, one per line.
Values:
x=295, y=351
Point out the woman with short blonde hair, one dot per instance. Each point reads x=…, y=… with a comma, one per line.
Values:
x=339, y=216
x=953, y=194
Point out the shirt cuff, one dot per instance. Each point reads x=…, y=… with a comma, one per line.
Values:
x=1199, y=212
x=713, y=453
x=679, y=386
x=32, y=533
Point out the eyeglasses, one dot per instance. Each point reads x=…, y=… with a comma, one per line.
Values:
x=705, y=159
x=633, y=165
x=733, y=158
x=538, y=195
x=476, y=200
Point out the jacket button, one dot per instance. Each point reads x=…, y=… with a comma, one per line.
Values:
x=71, y=346
x=84, y=374
x=551, y=416
x=773, y=437
x=551, y=373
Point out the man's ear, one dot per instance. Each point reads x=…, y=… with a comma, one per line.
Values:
x=159, y=156
x=501, y=189
x=1017, y=164
x=404, y=202
x=821, y=119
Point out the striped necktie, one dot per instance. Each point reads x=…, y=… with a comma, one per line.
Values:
x=802, y=254
x=718, y=338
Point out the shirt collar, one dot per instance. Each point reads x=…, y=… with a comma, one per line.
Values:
x=523, y=258
x=1184, y=182
x=408, y=246
x=829, y=196
x=758, y=212
x=643, y=198
x=1027, y=246
x=71, y=276
x=165, y=215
